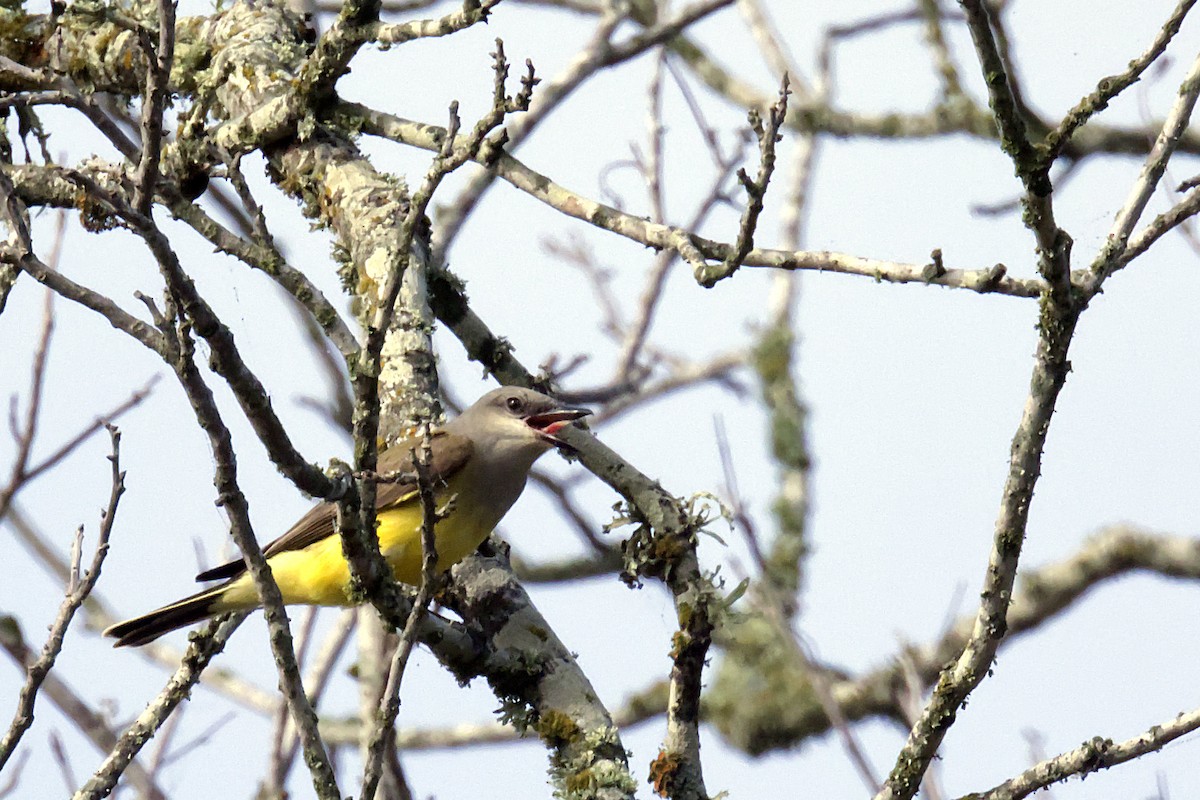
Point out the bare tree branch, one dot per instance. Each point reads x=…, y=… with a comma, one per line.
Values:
x=990, y=280
x=90, y=722
x=99, y=617
x=767, y=132
x=599, y=53
x=203, y=647
x=259, y=80
x=1107, y=259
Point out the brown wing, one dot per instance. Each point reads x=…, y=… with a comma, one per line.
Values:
x=450, y=453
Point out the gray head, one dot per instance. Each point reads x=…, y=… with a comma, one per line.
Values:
x=515, y=423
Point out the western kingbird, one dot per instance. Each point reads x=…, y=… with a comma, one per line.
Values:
x=481, y=459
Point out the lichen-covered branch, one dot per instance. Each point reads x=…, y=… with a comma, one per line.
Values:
x=409, y=385
x=1060, y=311
x=1053, y=243
x=1092, y=756
x=1061, y=308
x=51, y=186
x=818, y=115
x=1112, y=85
x=774, y=360
x=472, y=12
x=18, y=252
x=158, y=72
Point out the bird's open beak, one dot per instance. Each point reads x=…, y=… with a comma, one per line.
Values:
x=549, y=423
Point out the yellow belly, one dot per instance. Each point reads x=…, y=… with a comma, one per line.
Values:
x=319, y=575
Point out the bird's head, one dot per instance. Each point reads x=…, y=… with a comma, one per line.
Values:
x=515, y=419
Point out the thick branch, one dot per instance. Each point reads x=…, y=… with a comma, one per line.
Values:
x=539, y=682
x=677, y=768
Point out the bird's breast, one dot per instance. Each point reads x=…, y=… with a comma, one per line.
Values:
x=475, y=507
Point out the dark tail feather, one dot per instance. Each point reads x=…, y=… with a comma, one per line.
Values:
x=223, y=572
x=148, y=627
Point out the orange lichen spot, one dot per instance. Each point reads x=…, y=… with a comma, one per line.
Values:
x=663, y=772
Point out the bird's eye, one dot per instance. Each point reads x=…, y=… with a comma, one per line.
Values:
x=514, y=404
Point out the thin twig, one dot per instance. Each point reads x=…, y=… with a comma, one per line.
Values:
x=775, y=603
x=600, y=52
x=637, y=332
x=1164, y=223
x=99, y=617
x=567, y=507
x=76, y=592
x=251, y=394
x=771, y=45
x=316, y=681
x=165, y=738
x=767, y=131
x=429, y=558
x=14, y=774
x=102, y=421
x=91, y=722
x=234, y=502
x=27, y=431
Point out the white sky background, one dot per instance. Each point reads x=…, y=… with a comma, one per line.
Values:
x=914, y=392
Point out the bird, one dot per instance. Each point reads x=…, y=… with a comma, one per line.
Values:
x=479, y=464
